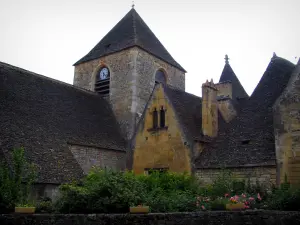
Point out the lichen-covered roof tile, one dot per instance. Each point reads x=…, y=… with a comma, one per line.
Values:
x=44, y=115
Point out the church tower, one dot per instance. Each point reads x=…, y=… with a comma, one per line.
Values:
x=124, y=67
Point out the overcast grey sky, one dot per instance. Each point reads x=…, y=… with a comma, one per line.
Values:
x=48, y=36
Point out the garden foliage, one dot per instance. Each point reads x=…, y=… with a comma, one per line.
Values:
x=105, y=191
x=15, y=181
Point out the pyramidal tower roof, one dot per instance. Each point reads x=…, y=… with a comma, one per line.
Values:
x=238, y=90
x=130, y=31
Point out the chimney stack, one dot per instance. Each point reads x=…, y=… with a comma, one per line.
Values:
x=209, y=109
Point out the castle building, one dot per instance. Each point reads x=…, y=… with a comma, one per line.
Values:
x=128, y=109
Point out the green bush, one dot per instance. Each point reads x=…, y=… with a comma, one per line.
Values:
x=284, y=198
x=45, y=206
x=15, y=181
x=105, y=191
x=218, y=204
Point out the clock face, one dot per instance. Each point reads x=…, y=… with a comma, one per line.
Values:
x=104, y=73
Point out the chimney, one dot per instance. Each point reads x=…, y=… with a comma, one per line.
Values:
x=224, y=89
x=209, y=109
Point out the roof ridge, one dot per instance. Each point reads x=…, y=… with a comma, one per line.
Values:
x=134, y=25
x=174, y=88
x=47, y=78
x=129, y=32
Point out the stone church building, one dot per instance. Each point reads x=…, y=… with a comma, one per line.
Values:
x=128, y=109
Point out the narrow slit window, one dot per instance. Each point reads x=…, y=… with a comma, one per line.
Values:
x=155, y=118
x=162, y=117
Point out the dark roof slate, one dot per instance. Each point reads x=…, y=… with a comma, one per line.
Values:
x=44, y=115
x=249, y=137
x=130, y=31
x=188, y=109
x=237, y=89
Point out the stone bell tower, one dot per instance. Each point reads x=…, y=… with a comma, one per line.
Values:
x=124, y=67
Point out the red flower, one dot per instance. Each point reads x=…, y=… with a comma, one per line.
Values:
x=226, y=195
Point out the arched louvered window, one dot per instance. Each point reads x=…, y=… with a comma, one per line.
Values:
x=160, y=77
x=102, y=81
x=162, y=117
x=155, y=118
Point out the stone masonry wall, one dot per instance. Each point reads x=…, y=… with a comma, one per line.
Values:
x=132, y=79
x=87, y=157
x=122, y=71
x=264, y=175
x=257, y=217
x=287, y=131
x=224, y=89
x=227, y=109
x=163, y=147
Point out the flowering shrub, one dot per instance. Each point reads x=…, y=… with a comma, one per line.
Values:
x=114, y=192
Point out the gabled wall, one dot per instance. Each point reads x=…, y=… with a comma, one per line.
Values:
x=161, y=148
x=287, y=131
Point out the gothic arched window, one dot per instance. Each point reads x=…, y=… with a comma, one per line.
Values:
x=102, y=81
x=160, y=77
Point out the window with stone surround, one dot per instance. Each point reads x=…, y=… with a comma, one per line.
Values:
x=158, y=119
x=160, y=77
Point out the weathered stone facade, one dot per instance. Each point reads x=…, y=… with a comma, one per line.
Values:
x=87, y=157
x=132, y=79
x=209, y=109
x=224, y=89
x=261, y=174
x=287, y=131
x=122, y=71
x=226, y=109
x=162, y=147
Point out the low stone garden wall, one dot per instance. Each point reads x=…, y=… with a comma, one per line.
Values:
x=256, y=217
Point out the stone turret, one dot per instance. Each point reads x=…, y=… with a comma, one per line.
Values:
x=209, y=109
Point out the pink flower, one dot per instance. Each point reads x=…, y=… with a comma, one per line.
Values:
x=246, y=203
x=258, y=197
x=247, y=207
x=251, y=199
x=226, y=195
x=243, y=195
x=203, y=207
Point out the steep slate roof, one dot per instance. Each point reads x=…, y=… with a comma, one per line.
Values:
x=188, y=109
x=237, y=89
x=254, y=123
x=43, y=115
x=130, y=31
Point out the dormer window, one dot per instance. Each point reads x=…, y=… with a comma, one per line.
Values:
x=160, y=77
x=102, y=81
